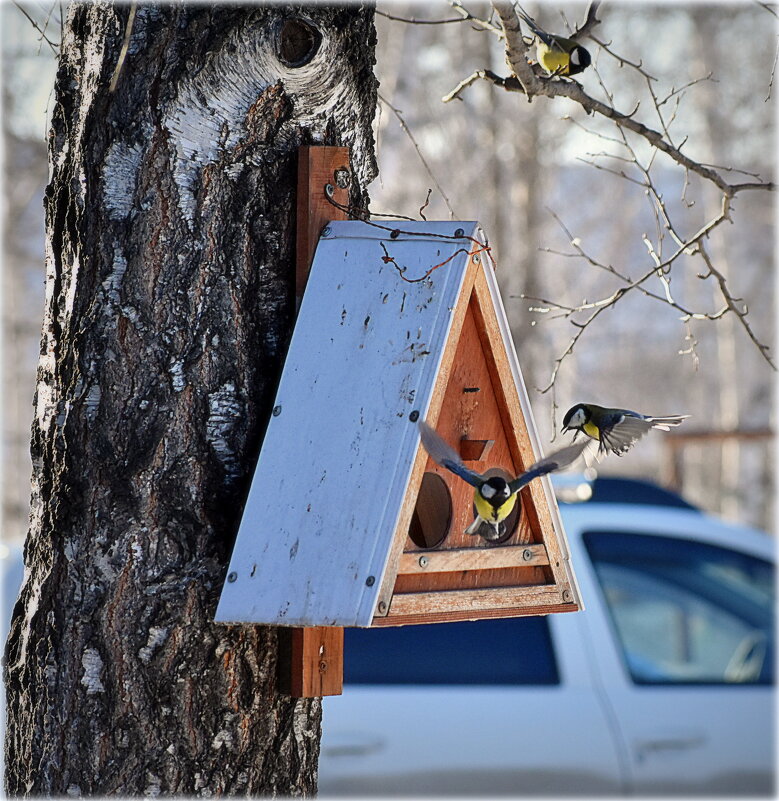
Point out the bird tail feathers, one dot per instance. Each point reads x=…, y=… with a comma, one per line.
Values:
x=473, y=529
x=665, y=423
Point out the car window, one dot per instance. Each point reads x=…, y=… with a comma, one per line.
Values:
x=504, y=651
x=684, y=611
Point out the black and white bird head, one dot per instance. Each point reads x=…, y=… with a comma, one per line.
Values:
x=576, y=417
x=580, y=59
x=495, y=491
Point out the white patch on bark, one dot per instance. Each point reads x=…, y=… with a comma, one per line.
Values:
x=157, y=636
x=176, y=372
x=226, y=408
x=154, y=787
x=45, y=404
x=74, y=791
x=222, y=738
x=92, y=401
x=208, y=115
x=120, y=178
x=303, y=731
x=93, y=670
x=113, y=284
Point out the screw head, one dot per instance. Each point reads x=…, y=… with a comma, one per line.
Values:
x=231, y=577
x=382, y=607
x=322, y=666
x=329, y=190
x=567, y=596
x=370, y=581
x=459, y=232
x=276, y=411
x=476, y=258
x=414, y=416
x=527, y=554
x=326, y=231
x=394, y=234
x=423, y=560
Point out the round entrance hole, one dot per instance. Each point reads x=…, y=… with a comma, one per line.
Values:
x=432, y=513
x=512, y=521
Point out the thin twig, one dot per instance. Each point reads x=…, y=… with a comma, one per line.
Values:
x=128, y=32
x=414, y=21
x=35, y=25
x=408, y=133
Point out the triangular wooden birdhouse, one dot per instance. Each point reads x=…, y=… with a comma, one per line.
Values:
x=348, y=522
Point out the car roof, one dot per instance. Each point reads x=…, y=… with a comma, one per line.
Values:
x=690, y=523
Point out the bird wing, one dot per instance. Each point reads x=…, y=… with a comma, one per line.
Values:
x=622, y=434
x=558, y=460
x=545, y=37
x=443, y=454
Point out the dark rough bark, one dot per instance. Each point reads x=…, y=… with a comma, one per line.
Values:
x=170, y=222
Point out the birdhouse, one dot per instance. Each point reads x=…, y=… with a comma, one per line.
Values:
x=348, y=522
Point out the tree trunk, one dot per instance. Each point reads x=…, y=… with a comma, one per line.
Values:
x=169, y=304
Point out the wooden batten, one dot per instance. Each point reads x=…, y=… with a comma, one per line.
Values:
x=316, y=653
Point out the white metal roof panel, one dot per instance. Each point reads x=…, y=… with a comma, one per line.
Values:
x=335, y=463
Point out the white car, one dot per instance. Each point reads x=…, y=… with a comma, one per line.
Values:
x=664, y=684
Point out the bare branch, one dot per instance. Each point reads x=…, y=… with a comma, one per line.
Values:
x=638, y=66
x=128, y=32
x=414, y=21
x=408, y=133
x=41, y=31
x=533, y=85
x=773, y=72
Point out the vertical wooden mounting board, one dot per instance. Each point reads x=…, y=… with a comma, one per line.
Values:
x=317, y=665
x=318, y=167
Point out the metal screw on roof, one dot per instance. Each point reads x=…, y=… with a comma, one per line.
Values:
x=382, y=607
x=476, y=258
x=276, y=411
x=414, y=416
x=370, y=581
x=423, y=560
x=527, y=554
x=232, y=577
x=326, y=231
x=459, y=232
x=567, y=597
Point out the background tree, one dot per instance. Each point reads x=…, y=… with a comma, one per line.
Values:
x=169, y=302
x=564, y=198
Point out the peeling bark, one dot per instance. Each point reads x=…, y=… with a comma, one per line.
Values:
x=169, y=304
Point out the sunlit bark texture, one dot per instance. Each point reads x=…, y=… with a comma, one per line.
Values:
x=170, y=264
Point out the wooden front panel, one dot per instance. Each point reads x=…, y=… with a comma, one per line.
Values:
x=472, y=411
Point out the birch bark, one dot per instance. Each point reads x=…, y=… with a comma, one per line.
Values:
x=169, y=303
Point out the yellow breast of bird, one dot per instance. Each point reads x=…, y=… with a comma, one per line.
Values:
x=552, y=59
x=592, y=430
x=487, y=511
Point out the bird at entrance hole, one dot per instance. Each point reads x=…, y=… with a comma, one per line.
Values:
x=494, y=497
x=617, y=430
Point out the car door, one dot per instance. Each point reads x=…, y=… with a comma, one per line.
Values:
x=688, y=665
x=476, y=708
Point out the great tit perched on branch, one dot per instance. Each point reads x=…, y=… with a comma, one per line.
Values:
x=558, y=55
x=615, y=429
x=493, y=497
